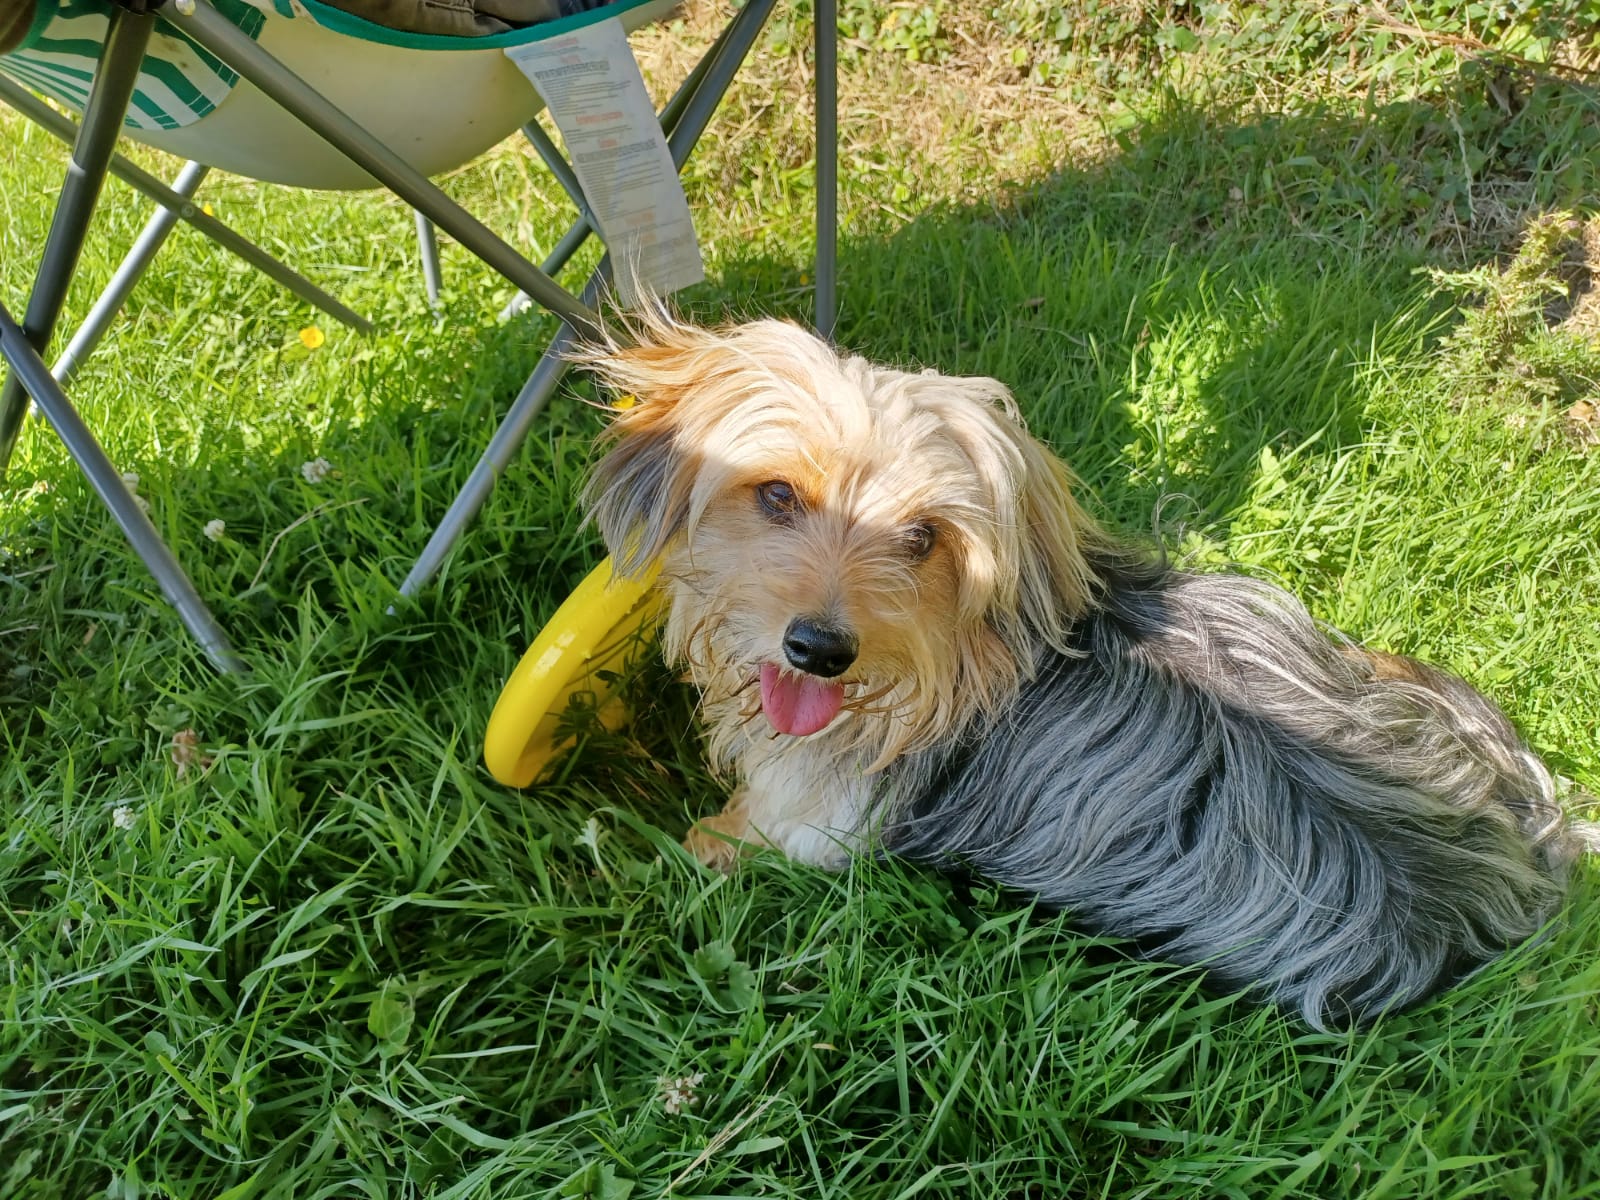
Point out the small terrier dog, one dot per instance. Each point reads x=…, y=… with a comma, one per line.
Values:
x=908, y=635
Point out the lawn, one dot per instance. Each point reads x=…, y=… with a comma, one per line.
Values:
x=1302, y=288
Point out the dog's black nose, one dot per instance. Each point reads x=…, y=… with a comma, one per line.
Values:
x=818, y=649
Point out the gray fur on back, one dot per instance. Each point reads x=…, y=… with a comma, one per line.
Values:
x=1214, y=777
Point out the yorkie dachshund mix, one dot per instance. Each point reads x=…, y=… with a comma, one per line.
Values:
x=909, y=636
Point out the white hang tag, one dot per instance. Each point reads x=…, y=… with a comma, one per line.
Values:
x=592, y=86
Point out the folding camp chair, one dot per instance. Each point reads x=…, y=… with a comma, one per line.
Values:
x=301, y=93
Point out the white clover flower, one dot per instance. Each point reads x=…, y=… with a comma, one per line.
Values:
x=215, y=528
x=678, y=1095
x=124, y=817
x=316, y=470
x=130, y=480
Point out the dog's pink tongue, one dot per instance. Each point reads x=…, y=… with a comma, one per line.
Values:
x=798, y=704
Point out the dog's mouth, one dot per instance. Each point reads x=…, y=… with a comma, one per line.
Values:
x=799, y=704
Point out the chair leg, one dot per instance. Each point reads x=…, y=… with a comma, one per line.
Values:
x=31, y=374
x=571, y=242
x=126, y=39
x=502, y=448
x=428, y=247
x=216, y=34
x=727, y=56
x=689, y=113
x=128, y=273
x=152, y=188
x=827, y=150
x=556, y=163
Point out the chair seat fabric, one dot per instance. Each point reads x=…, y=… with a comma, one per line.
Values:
x=437, y=100
x=178, y=84
x=463, y=18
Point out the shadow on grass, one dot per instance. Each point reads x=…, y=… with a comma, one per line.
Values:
x=1218, y=284
x=1215, y=286
x=1219, y=288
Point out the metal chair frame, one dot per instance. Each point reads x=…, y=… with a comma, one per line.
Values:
x=93, y=157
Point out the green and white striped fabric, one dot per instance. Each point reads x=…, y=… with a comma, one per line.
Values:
x=178, y=84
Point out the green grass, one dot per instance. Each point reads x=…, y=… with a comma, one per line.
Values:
x=328, y=956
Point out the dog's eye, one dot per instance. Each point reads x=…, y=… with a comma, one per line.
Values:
x=919, y=539
x=778, y=498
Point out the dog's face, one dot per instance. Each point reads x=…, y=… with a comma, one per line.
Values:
x=849, y=548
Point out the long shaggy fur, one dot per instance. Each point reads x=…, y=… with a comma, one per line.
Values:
x=1186, y=760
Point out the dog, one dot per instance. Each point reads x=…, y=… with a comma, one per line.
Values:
x=910, y=637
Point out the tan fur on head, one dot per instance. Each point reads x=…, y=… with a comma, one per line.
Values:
x=874, y=457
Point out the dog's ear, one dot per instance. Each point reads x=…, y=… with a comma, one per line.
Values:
x=1040, y=579
x=1056, y=583
x=639, y=492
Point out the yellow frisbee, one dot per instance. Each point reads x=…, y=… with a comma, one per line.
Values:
x=598, y=629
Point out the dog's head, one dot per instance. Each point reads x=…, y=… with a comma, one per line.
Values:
x=849, y=548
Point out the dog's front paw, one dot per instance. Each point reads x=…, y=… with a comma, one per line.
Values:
x=722, y=839
x=716, y=849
